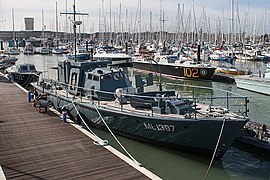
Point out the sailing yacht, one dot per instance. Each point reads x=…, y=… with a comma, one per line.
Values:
x=14, y=50
x=44, y=49
x=57, y=50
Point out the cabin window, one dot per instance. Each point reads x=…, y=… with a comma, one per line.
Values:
x=118, y=76
x=73, y=81
x=96, y=78
x=24, y=68
x=90, y=76
x=106, y=77
x=32, y=68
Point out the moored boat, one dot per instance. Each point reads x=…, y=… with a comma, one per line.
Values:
x=7, y=59
x=255, y=135
x=14, y=51
x=28, y=50
x=113, y=54
x=104, y=97
x=23, y=74
x=171, y=66
x=259, y=83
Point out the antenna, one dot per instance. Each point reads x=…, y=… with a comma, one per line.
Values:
x=75, y=24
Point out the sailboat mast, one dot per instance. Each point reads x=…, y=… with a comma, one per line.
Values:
x=160, y=21
x=43, y=36
x=254, y=30
x=103, y=23
x=66, y=22
x=13, y=33
x=140, y=24
x=120, y=22
x=232, y=19
x=110, y=21
x=56, y=21
x=194, y=36
x=151, y=28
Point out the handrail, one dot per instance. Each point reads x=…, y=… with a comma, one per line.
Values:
x=192, y=97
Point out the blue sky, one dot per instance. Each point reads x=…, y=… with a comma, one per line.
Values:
x=213, y=9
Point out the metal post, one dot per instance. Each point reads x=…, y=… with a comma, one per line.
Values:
x=152, y=107
x=81, y=95
x=211, y=99
x=227, y=100
x=246, y=102
x=43, y=86
x=29, y=94
x=195, y=100
x=64, y=116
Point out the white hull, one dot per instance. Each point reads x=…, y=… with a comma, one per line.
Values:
x=116, y=58
x=256, y=84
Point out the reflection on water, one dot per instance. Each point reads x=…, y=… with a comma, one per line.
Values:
x=172, y=164
x=238, y=162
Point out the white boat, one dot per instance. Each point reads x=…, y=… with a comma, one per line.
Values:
x=57, y=51
x=7, y=59
x=259, y=83
x=44, y=50
x=29, y=50
x=14, y=51
x=113, y=54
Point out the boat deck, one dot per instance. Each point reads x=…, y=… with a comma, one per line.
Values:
x=202, y=109
x=39, y=146
x=265, y=79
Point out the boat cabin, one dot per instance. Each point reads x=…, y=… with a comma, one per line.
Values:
x=106, y=80
x=91, y=75
x=23, y=68
x=166, y=58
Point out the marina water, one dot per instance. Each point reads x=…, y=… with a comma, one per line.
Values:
x=239, y=163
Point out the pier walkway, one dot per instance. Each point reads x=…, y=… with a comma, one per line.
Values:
x=39, y=146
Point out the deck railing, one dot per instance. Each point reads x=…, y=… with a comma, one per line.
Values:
x=226, y=99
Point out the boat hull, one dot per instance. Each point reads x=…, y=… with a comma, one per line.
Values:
x=255, y=143
x=192, y=135
x=186, y=72
x=254, y=84
x=24, y=79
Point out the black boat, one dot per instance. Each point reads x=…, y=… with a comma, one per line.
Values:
x=100, y=95
x=255, y=135
x=171, y=66
x=23, y=74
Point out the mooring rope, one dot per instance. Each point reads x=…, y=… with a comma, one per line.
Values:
x=219, y=137
x=27, y=82
x=116, y=137
x=84, y=121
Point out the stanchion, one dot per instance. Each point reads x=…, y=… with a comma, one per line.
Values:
x=29, y=96
x=64, y=117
